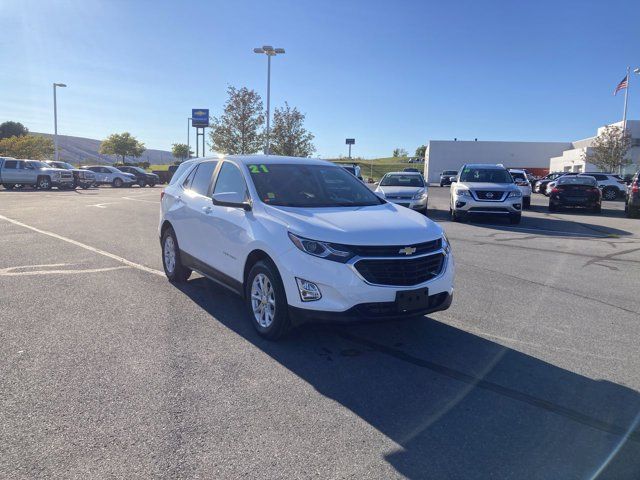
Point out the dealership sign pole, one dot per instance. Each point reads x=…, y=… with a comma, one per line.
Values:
x=350, y=141
x=200, y=121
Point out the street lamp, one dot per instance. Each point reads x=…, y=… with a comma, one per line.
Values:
x=188, y=146
x=55, y=118
x=269, y=51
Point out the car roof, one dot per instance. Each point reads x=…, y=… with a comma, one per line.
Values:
x=403, y=173
x=267, y=159
x=484, y=165
x=516, y=170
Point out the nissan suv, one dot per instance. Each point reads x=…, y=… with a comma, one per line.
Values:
x=301, y=239
x=485, y=190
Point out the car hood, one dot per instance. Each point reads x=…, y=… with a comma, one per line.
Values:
x=501, y=187
x=392, y=191
x=385, y=224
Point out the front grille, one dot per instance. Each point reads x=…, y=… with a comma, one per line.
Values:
x=398, y=197
x=493, y=195
x=401, y=272
x=66, y=175
x=394, y=250
x=488, y=209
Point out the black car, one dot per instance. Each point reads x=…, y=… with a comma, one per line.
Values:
x=632, y=201
x=81, y=177
x=142, y=178
x=445, y=177
x=541, y=185
x=575, y=191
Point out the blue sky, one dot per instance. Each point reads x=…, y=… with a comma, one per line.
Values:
x=391, y=74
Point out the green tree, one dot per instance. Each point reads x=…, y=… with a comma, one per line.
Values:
x=609, y=149
x=400, y=152
x=122, y=145
x=34, y=147
x=421, y=151
x=238, y=130
x=12, y=129
x=289, y=137
x=180, y=150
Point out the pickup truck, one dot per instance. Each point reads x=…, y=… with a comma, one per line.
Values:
x=33, y=172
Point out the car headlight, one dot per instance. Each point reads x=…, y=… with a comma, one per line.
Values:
x=462, y=192
x=420, y=195
x=515, y=193
x=330, y=251
x=56, y=174
x=446, y=246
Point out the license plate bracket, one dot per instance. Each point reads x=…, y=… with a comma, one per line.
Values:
x=412, y=300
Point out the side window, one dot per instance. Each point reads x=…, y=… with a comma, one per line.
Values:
x=189, y=179
x=599, y=177
x=179, y=172
x=202, y=178
x=13, y=164
x=230, y=179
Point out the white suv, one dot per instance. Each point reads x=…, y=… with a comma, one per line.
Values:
x=522, y=181
x=482, y=189
x=301, y=239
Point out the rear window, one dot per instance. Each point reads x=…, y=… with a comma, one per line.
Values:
x=450, y=172
x=575, y=180
x=402, y=181
x=518, y=176
x=10, y=164
x=182, y=168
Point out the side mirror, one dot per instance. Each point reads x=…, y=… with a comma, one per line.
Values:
x=376, y=184
x=231, y=199
x=380, y=194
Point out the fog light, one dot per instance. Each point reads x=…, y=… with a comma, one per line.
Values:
x=517, y=206
x=309, y=291
x=460, y=204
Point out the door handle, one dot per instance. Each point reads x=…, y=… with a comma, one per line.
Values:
x=207, y=209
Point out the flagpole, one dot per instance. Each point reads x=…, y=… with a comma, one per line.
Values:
x=626, y=97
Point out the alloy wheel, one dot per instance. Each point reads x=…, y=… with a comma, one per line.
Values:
x=263, y=300
x=169, y=254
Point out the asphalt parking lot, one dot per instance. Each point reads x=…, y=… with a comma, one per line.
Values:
x=108, y=370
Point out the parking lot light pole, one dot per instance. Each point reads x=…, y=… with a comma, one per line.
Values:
x=55, y=119
x=269, y=51
x=188, y=146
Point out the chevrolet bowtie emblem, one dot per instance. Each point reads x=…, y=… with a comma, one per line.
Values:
x=407, y=250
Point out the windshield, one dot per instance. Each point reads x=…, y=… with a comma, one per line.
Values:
x=298, y=185
x=137, y=169
x=402, y=181
x=65, y=165
x=519, y=176
x=485, y=175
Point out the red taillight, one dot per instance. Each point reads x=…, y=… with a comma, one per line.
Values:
x=634, y=187
x=555, y=190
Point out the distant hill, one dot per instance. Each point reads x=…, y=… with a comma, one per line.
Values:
x=80, y=150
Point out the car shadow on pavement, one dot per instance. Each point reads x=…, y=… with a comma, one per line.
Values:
x=456, y=404
x=576, y=223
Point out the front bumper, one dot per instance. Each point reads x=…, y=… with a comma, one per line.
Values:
x=62, y=182
x=468, y=205
x=411, y=203
x=345, y=294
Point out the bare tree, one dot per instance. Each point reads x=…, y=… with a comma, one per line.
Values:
x=238, y=130
x=609, y=149
x=289, y=137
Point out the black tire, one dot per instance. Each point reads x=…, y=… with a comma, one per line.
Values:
x=8, y=186
x=453, y=215
x=141, y=183
x=281, y=322
x=597, y=209
x=84, y=186
x=609, y=193
x=526, y=203
x=43, y=183
x=117, y=183
x=152, y=185
x=179, y=273
x=514, y=219
x=552, y=207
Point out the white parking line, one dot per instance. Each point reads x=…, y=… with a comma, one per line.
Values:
x=117, y=258
x=101, y=205
x=20, y=270
x=559, y=232
x=142, y=200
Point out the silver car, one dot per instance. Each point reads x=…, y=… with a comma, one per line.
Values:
x=483, y=189
x=112, y=176
x=405, y=188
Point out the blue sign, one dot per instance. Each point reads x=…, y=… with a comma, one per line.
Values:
x=200, y=117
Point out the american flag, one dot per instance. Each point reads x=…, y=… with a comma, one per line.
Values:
x=622, y=85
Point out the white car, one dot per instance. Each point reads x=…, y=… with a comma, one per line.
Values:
x=301, y=239
x=483, y=189
x=522, y=181
x=407, y=189
x=106, y=174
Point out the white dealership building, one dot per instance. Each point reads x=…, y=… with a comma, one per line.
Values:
x=536, y=157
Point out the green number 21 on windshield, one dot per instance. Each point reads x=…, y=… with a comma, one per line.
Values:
x=258, y=169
